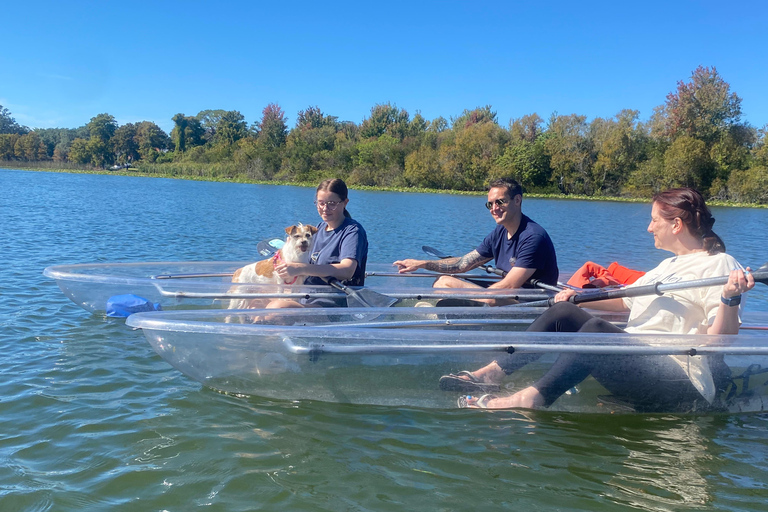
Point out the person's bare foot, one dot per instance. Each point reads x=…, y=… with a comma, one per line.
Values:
x=528, y=398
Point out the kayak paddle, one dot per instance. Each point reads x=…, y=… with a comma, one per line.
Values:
x=270, y=246
x=362, y=298
x=760, y=275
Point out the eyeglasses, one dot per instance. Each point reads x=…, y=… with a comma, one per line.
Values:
x=328, y=205
x=498, y=202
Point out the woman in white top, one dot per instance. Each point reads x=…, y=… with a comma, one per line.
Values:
x=680, y=223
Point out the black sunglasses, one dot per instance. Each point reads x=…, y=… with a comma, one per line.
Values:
x=498, y=202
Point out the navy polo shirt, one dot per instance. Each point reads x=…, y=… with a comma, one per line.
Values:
x=529, y=247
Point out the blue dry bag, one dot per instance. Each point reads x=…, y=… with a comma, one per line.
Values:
x=121, y=306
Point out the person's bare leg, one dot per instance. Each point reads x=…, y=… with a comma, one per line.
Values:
x=453, y=282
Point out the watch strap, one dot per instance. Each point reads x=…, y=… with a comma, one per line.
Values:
x=731, y=301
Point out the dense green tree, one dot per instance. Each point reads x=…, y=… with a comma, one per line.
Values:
x=386, y=119
x=101, y=152
x=7, y=145
x=61, y=138
x=209, y=121
x=379, y=160
x=703, y=108
x=103, y=127
x=468, y=161
x=125, y=145
x=187, y=132
x=151, y=140
x=178, y=134
x=570, y=152
x=730, y=153
x=759, y=153
x=310, y=145
x=230, y=128
x=79, y=152
x=418, y=125
x=648, y=178
x=527, y=162
x=749, y=185
x=477, y=116
x=438, y=125
x=527, y=128
x=313, y=118
x=29, y=147
x=687, y=164
x=272, y=131
x=619, y=145
x=61, y=153
x=8, y=124
x=273, y=127
x=422, y=168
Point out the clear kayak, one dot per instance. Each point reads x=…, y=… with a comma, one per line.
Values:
x=396, y=356
x=186, y=285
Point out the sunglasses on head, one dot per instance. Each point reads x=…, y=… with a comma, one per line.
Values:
x=498, y=202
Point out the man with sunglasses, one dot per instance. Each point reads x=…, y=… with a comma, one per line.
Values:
x=519, y=246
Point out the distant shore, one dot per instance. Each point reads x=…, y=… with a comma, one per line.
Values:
x=135, y=173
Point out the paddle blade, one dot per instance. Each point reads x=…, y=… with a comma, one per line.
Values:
x=761, y=274
x=434, y=252
x=368, y=299
x=270, y=246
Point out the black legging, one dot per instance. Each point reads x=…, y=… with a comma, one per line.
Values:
x=650, y=383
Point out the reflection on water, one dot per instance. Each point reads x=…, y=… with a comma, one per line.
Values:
x=665, y=469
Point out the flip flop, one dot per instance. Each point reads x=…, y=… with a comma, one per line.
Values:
x=453, y=382
x=480, y=403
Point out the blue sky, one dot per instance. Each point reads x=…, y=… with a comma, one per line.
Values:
x=64, y=62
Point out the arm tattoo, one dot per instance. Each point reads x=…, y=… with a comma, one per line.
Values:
x=457, y=264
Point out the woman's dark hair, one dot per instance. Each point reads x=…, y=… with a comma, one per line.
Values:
x=512, y=186
x=688, y=205
x=336, y=186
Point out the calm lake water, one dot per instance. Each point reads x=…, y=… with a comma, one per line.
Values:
x=92, y=419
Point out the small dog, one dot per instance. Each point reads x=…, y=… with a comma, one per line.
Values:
x=297, y=249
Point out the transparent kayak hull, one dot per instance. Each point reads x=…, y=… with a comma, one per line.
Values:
x=190, y=285
x=396, y=356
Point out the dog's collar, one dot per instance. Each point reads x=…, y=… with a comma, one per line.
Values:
x=278, y=257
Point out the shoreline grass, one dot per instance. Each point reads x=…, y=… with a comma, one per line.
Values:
x=134, y=172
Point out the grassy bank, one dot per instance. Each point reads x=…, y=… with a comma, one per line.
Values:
x=215, y=174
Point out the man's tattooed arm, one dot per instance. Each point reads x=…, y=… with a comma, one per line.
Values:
x=457, y=264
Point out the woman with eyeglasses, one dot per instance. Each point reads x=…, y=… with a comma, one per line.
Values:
x=340, y=247
x=519, y=246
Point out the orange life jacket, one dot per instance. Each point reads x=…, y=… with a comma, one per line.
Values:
x=592, y=275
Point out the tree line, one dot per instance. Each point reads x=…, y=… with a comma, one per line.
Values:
x=695, y=138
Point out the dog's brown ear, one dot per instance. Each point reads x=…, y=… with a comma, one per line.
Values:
x=291, y=230
x=312, y=229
